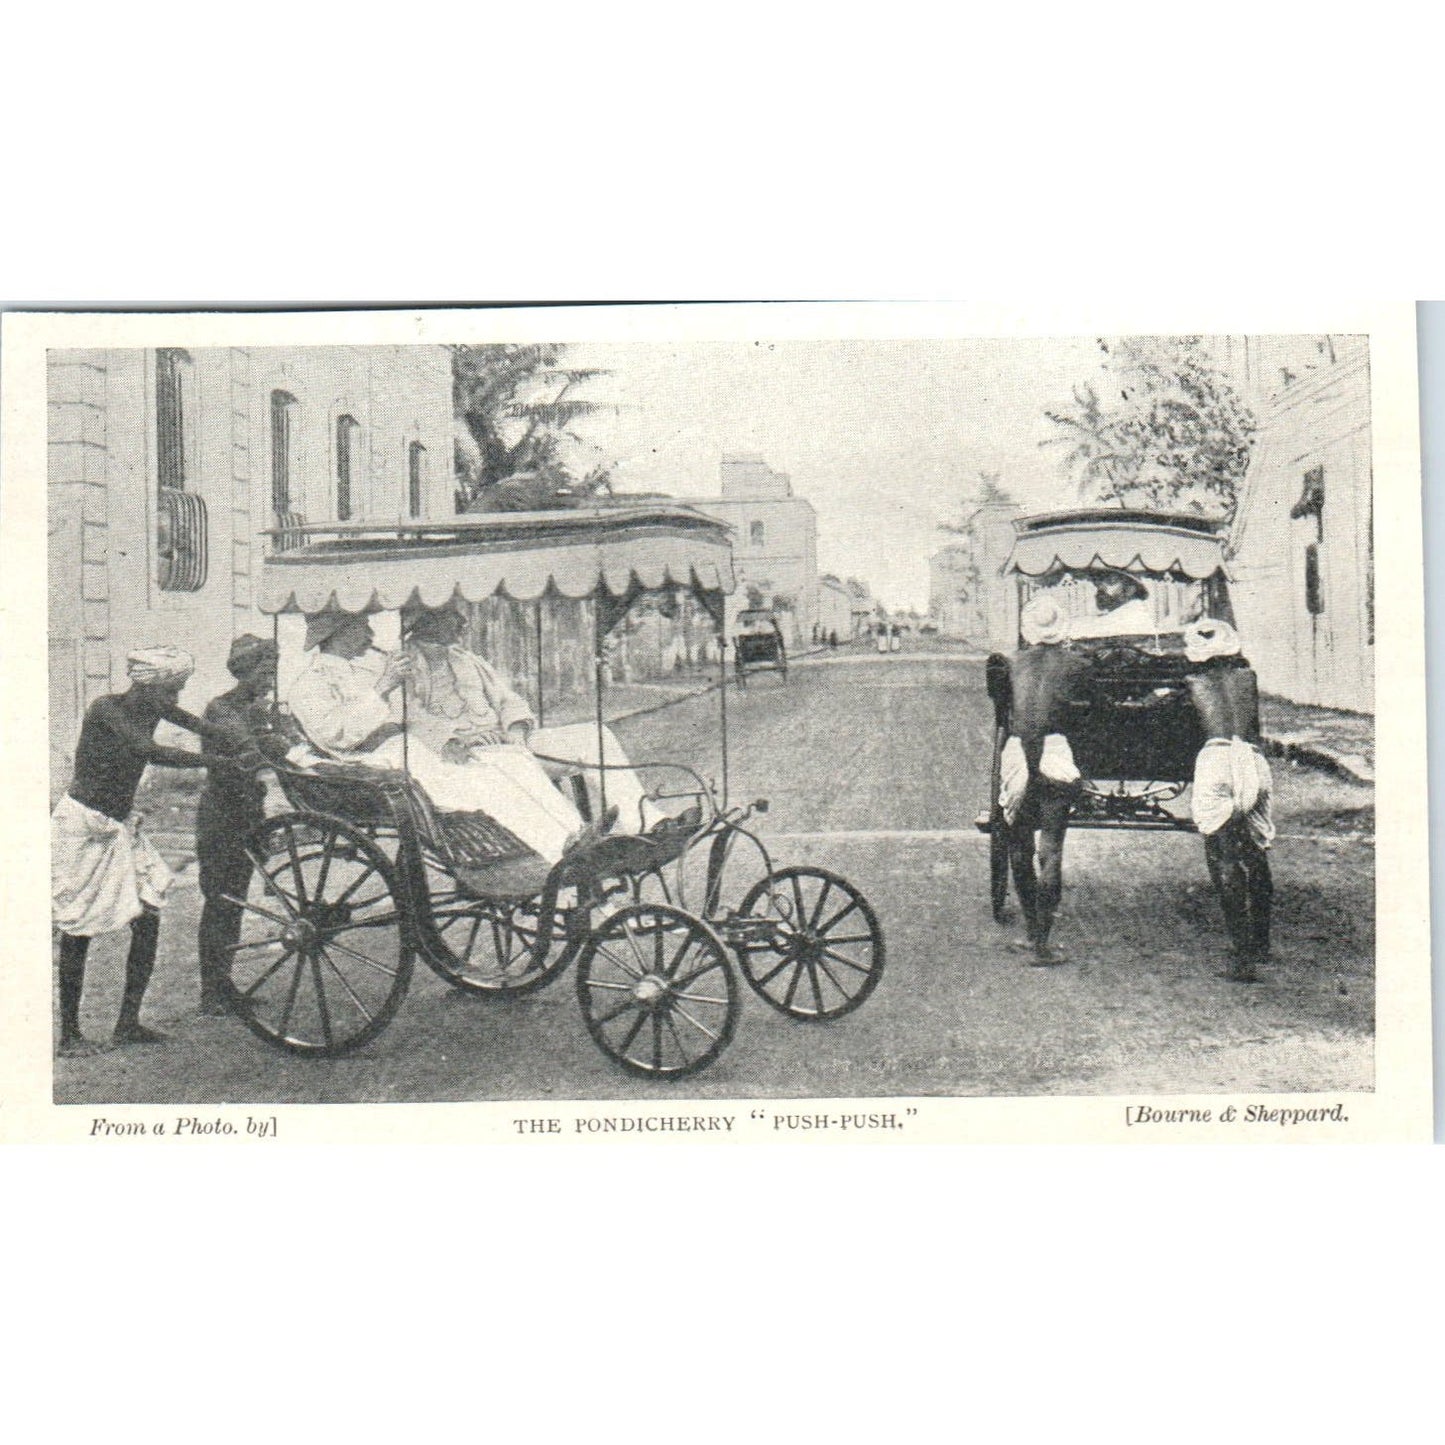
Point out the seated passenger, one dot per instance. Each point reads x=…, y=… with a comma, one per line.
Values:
x=467, y=709
x=1124, y=610
x=342, y=705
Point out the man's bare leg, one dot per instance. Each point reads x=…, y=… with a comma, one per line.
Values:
x=1021, y=865
x=1051, y=885
x=1260, y=890
x=73, y=1044
x=1222, y=854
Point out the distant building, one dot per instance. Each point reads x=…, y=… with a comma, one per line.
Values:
x=835, y=608
x=775, y=541
x=1302, y=544
x=967, y=595
x=954, y=588
x=862, y=606
x=166, y=467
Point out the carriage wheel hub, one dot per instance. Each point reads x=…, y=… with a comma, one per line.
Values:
x=298, y=934
x=650, y=989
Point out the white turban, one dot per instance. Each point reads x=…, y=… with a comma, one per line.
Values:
x=159, y=664
x=1043, y=621
x=1209, y=637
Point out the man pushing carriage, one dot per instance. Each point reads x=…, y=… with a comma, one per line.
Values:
x=1130, y=672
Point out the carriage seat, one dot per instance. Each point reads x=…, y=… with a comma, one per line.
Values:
x=382, y=797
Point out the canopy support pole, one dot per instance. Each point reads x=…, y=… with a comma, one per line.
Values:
x=597, y=688
x=722, y=692
x=405, y=755
x=276, y=660
x=541, y=705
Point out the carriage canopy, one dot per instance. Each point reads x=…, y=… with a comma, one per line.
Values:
x=611, y=552
x=1117, y=539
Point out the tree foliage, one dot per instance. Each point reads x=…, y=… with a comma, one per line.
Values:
x=1169, y=431
x=518, y=411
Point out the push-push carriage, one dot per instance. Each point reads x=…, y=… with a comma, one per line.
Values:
x=362, y=873
x=1136, y=735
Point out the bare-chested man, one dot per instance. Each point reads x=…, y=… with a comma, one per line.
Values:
x=1039, y=782
x=1232, y=787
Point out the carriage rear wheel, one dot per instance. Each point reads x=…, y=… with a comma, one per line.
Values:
x=484, y=947
x=809, y=943
x=324, y=957
x=657, y=991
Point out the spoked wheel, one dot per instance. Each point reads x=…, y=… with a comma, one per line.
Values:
x=809, y=943
x=657, y=991
x=486, y=948
x=324, y=959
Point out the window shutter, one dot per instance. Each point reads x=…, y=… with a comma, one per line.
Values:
x=182, y=541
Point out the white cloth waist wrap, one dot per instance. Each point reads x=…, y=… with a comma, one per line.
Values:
x=1056, y=764
x=1232, y=780
x=102, y=872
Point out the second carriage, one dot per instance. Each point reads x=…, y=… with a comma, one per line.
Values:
x=1136, y=736
x=361, y=874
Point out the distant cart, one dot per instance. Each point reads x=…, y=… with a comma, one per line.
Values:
x=758, y=645
x=1136, y=740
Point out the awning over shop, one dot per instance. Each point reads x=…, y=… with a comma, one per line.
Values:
x=1191, y=547
x=615, y=551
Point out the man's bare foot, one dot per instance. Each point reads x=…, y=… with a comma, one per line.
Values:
x=75, y=1046
x=1238, y=970
x=1040, y=955
x=138, y=1033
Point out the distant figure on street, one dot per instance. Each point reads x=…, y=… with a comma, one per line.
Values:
x=230, y=807
x=833, y=638
x=884, y=637
x=105, y=873
x=1232, y=791
x=1039, y=781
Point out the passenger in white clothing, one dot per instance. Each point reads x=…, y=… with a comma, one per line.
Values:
x=466, y=709
x=344, y=710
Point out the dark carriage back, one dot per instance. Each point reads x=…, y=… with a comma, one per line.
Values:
x=1140, y=724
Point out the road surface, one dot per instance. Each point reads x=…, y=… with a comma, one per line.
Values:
x=874, y=767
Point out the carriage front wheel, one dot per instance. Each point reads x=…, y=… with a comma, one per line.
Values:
x=324, y=959
x=657, y=991
x=809, y=943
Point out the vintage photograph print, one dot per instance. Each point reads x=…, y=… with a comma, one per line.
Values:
x=729, y=715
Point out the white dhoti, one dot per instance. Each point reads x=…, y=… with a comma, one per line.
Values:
x=577, y=744
x=103, y=873
x=1056, y=764
x=505, y=782
x=1232, y=780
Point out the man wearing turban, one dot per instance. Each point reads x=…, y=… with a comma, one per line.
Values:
x=1232, y=788
x=1038, y=779
x=106, y=875
x=230, y=807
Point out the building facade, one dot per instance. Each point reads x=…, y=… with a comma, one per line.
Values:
x=775, y=542
x=968, y=595
x=168, y=470
x=835, y=609
x=953, y=590
x=1302, y=545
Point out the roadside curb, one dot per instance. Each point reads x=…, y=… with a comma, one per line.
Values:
x=1311, y=754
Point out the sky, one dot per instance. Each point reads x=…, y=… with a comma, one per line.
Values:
x=885, y=438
